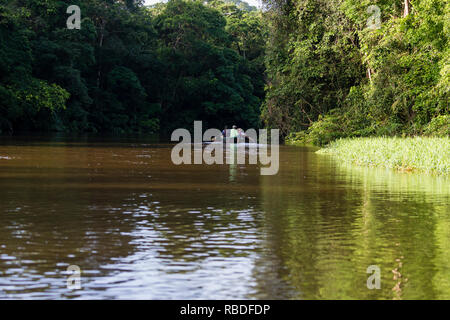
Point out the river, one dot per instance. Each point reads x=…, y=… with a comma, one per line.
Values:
x=140, y=227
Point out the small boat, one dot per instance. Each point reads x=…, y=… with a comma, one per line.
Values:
x=232, y=141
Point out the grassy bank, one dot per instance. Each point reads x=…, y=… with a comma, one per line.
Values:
x=421, y=154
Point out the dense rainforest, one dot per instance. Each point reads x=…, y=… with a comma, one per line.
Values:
x=345, y=68
x=129, y=68
x=316, y=69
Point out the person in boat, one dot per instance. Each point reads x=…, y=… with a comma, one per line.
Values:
x=224, y=133
x=242, y=137
x=234, y=135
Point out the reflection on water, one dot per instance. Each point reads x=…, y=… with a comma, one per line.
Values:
x=140, y=227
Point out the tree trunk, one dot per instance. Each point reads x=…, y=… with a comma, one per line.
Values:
x=369, y=74
x=406, y=11
x=102, y=35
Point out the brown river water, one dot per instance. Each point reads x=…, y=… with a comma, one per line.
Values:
x=140, y=227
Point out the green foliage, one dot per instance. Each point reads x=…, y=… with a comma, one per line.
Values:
x=312, y=62
x=38, y=94
x=438, y=127
x=333, y=77
x=130, y=68
x=208, y=77
x=297, y=138
x=430, y=155
x=321, y=132
x=324, y=130
x=25, y=100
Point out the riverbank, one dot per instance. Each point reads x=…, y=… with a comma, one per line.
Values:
x=419, y=154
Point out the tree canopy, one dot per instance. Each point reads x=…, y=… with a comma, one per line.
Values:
x=129, y=68
x=324, y=68
x=333, y=74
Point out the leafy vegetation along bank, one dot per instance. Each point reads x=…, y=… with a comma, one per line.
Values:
x=421, y=154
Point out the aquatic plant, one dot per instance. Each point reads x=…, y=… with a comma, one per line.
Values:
x=421, y=154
